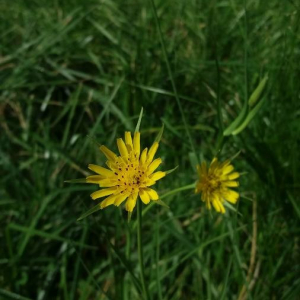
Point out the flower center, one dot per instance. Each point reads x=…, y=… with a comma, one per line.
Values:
x=131, y=175
x=211, y=183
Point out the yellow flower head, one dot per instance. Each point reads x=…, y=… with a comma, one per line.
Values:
x=129, y=175
x=214, y=183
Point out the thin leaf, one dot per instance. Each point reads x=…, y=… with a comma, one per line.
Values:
x=257, y=92
x=239, y=119
x=249, y=117
x=127, y=265
x=137, y=128
x=296, y=207
x=73, y=104
x=49, y=235
x=11, y=295
x=166, y=57
x=226, y=279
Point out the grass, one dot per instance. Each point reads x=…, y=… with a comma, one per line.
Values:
x=70, y=70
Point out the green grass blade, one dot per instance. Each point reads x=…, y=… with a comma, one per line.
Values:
x=137, y=128
x=295, y=205
x=172, y=77
x=239, y=119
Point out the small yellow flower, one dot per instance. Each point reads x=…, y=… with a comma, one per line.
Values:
x=129, y=175
x=214, y=183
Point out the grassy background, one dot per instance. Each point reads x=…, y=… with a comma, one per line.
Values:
x=75, y=68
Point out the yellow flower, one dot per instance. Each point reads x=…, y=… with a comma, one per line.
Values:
x=214, y=183
x=129, y=175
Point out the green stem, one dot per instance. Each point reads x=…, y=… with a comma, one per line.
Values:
x=140, y=250
x=220, y=143
x=157, y=257
x=127, y=254
x=175, y=191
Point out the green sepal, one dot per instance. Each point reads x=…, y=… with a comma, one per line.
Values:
x=249, y=117
x=170, y=171
x=137, y=128
x=257, y=92
x=243, y=173
x=160, y=133
x=231, y=207
x=162, y=203
x=89, y=212
x=79, y=180
x=235, y=155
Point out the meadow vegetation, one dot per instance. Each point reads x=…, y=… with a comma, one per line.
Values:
x=76, y=73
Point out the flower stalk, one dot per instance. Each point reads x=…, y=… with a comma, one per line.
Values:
x=140, y=250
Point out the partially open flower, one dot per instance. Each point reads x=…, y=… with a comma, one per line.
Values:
x=215, y=182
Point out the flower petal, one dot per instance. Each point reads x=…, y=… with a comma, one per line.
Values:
x=120, y=199
x=208, y=205
x=152, y=152
x=157, y=175
x=122, y=148
x=137, y=144
x=152, y=194
x=94, y=179
x=228, y=169
x=219, y=207
x=231, y=183
x=216, y=205
x=231, y=196
x=101, y=171
x=103, y=193
x=131, y=202
x=233, y=176
x=144, y=196
x=107, y=183
x=108, y=153
x=143, y=156
x=148, y=182
x=109, y=201
x=222, y=208
x=128, y=139
x=154, y=165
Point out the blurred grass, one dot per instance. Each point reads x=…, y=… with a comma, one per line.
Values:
x=71, y=69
